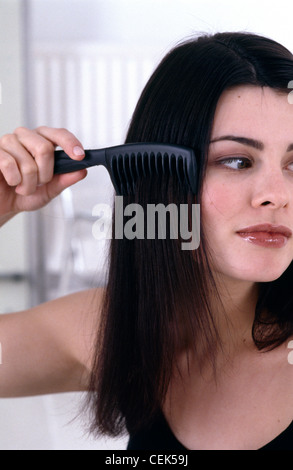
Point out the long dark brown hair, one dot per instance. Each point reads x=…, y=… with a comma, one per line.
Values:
x=157, y=299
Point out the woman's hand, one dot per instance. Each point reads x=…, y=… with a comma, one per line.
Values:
x=27, y=182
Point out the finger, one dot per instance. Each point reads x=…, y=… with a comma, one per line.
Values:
x=29, y=177
x=41, y=150
x=9, y=169
x=23, y=173
x=64, y=139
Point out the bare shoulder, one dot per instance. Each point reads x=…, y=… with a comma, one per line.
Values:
x=73, y=321
x=49, y=348
x=80, y=306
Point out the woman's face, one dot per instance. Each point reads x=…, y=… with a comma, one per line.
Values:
x=247, y=201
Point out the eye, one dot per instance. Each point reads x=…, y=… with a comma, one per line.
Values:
x=236, y=163
x=290, y=166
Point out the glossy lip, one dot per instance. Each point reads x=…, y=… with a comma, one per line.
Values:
x=266, y=235
x=269, y=228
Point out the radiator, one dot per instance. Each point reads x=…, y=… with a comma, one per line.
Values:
x=90, y=89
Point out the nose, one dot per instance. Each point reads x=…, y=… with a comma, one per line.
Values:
x=273, y=190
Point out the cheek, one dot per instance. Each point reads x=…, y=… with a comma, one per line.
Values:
x=220, y=203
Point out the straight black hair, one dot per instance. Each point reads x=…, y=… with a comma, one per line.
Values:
x=157, y=300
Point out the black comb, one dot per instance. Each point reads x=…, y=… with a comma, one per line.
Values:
x=130, y=162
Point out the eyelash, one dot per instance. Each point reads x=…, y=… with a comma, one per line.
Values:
x=226, y=161
x=249, y=163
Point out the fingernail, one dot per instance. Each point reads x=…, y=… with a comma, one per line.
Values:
x=78, y=151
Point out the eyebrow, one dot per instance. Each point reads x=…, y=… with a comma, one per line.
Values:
x=257, y=144
x=242, y=140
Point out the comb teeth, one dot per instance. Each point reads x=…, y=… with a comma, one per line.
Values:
x=128, y=163
x=128, y=168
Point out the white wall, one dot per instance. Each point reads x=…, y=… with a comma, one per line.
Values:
x=11, y=115
x=17, y=416
x=11, y=65
x=43, y=423
x=159, y=22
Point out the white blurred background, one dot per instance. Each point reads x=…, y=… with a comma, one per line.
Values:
x=81, y=64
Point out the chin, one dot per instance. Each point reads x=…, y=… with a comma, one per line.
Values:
x=268, y=274
x=252, y=268
x=263, y=272
x=269, y=277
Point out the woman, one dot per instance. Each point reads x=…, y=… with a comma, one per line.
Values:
x=191, y=351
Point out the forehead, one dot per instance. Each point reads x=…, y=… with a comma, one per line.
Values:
x=255, y=112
